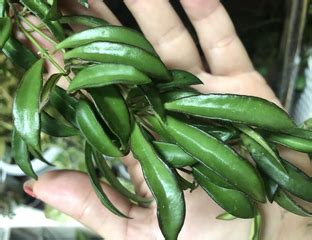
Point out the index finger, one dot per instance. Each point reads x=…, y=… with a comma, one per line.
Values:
x=222, y=47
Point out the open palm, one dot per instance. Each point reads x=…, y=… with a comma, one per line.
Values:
x=230, y=72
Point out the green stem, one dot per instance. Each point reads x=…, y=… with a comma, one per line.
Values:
x=37, y=30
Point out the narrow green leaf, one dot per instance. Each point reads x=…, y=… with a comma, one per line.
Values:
x=65, y=104
x=174, y=155
x=87, y=21
x=107, y=173
x=286, y=202
x=5, y=30
x=112, y=107
x=234, y=108
x=255, y=231
x=53, y=13
x=18, y=54
x=96, y=184
x=21, y=156
x=52, y=127
x=226, y=216
x=107, y=74
x=48, y=87
x=26, y=116
x=180, y=78
x=260, y=140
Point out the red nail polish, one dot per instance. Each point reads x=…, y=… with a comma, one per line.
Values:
x=29, y=192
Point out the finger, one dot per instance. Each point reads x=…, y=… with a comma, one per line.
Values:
x=223, y=49
x=163, y=28
x=71, y=193
x=96, y=8
x=136, y=175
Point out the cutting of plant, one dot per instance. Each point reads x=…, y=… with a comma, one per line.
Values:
x=121, y=98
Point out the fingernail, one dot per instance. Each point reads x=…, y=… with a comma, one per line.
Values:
x=28, y=188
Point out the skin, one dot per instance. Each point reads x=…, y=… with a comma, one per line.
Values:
x=231, y=71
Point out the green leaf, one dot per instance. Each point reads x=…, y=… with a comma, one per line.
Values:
x=255, y=231
x=109, y=175
x=2, y=8
x=48, y=87
x=26, y=116
x=107, y=74
x=18, y=54
x=249, y=110
x=112, y=107
x=286, y=202
x=5, y=30
x=65, y=104
x=55, y=128
x=96, y=183
x=174, y=155
x=84, y=3
x=53, y=13
x=180, y=78
x=87, y=21
x=260, y=140
x=21, y=156
x=226, y=216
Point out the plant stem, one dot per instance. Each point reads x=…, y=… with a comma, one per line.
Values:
x=37, y=30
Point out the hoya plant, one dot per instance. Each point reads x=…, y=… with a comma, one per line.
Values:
x=121, y=98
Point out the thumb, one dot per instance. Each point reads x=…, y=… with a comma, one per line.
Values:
x=71, y=193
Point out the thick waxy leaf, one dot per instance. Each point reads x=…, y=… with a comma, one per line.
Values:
x=48, y=87
x=21, y=156
x=55, y=128
x=26, y=116
x=233, y=201
x=96, y=183
x=300, y=144
x=180, y=78
x=225, y=216
x=285, y=201
x=65, y=104
x=217, y=156
x=234, y=108
x=53, y=13
x=87, y=21
x=5, y=30
x=255, y=232
x=2, y=7
x=212, y=176
x=107, y=74
x=114, y=111
x=18, y=54
x=108, y=173
x=163, y=185
x=178, y=93
x=122, y=54
x=93, y=132
x=260, y=140
x=270, y=187
x=116, y=34
x=174, y=155
x=294, y=181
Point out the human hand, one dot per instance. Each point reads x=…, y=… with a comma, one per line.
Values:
x=230, y=72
